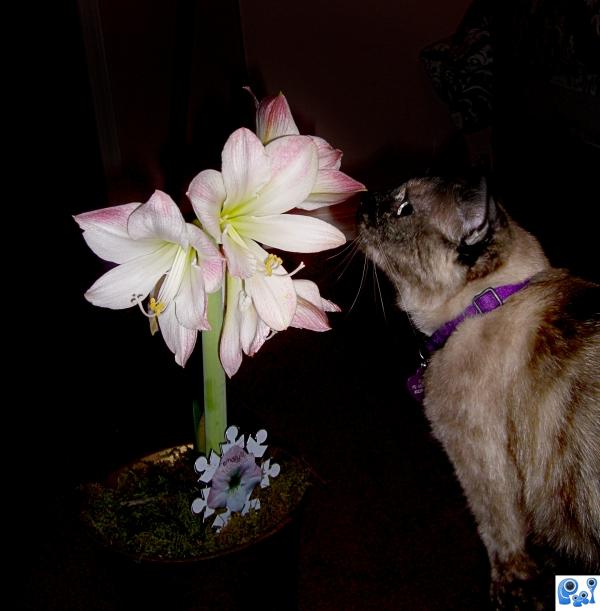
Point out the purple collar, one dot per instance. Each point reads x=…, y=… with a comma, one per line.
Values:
x=486, y=301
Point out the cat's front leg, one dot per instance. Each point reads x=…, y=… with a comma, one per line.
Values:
x=503, y=528
x=475, y=439
x=514, y=584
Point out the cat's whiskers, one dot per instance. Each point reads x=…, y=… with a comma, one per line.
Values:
x=351, y=244
x=400, y=298
x=377, y=287
x=362, y=280
x=350, y=252
x=356, y=243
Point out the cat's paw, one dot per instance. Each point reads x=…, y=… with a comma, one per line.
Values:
x=516, y=585
x=517, y=596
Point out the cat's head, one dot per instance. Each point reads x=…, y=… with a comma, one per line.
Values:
x=432, y=236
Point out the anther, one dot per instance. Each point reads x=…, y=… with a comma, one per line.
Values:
x=272, y=262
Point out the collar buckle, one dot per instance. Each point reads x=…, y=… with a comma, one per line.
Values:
x=487, y=300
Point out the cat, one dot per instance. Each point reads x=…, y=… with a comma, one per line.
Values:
x=513, y=393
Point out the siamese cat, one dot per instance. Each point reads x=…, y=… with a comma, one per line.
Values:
x=511, y=384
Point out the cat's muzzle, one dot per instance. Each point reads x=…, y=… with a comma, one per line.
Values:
x=368, y=209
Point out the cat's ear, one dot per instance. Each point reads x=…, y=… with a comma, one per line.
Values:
x=478, y=215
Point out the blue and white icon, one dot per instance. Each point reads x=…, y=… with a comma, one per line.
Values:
x=576, y=590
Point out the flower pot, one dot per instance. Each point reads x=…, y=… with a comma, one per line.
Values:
x=162, y=559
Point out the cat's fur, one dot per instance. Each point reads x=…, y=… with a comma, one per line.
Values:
x=514, y=394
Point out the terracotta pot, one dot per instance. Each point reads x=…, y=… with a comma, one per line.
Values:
x=261, y=572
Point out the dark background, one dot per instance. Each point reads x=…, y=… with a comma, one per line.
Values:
x=131, y=96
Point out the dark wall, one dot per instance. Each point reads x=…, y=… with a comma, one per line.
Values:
x=547, y=124
x=351, y=71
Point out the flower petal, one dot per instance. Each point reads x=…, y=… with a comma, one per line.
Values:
x=112, y=219
x=204, y=245
x=207, y=194
x=245, y=168
x=190, y=302
x=159, y=217
x=217, y=497
x=230, y=349
x=260, y=337
x=248, y=324
x=179, y=339
x=274, y=119
x=311, y=308
x=105, y=232
x=309, y=316
x=292, y=232
x=329, y=306
x=331, y=187
x=274, y=298
x=240, y=260
x=209, y=258
x=236, y=498
x=329, y=158
x=213, y=271
x=309, y=291
x=117, y=287
x=294, y=164
x=251, y=474
x=253, y=331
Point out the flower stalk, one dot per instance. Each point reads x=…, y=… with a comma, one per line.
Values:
x=215, y=395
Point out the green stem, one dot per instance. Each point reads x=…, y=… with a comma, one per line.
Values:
x=215, y=397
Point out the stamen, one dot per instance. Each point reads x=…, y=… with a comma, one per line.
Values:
x=272, y=262
x=138, y=299
x=156, y=306
x=301, y=266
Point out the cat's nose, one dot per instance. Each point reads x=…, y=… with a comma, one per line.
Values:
x=367, y=209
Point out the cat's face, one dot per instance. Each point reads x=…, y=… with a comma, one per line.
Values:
x=430, y=236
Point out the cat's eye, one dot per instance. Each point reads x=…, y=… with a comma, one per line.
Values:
x=401, y=195
x=404, y=209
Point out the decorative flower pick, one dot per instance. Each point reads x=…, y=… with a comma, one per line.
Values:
x=217, y=274
x=233, y=477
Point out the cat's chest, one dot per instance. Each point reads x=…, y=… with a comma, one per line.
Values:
x=478, y=371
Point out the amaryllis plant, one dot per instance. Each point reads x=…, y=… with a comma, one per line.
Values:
x=216, y=274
